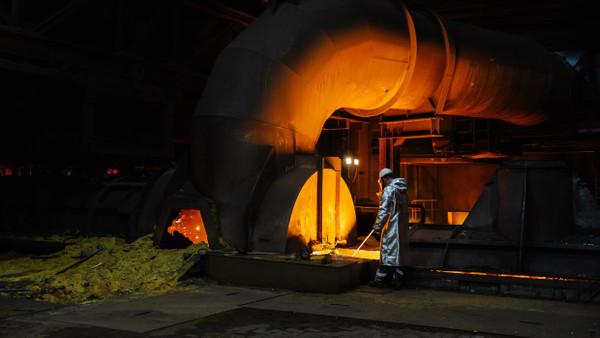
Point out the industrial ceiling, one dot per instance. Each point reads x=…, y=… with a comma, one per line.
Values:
x=70, y=62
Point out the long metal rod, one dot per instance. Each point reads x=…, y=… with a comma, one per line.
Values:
x=363, y=243
x=523, y=221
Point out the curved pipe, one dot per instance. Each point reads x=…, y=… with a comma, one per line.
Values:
x=274, y=86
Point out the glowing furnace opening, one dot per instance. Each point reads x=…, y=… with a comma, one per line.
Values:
x=189, y=223
x=323, y=214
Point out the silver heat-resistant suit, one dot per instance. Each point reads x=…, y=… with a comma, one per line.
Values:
x=392, y=222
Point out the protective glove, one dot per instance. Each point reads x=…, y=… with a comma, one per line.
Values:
x=376, y=232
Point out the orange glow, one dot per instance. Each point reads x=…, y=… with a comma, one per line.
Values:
x=189, y=223
x=6, y=171
x=512, y=276
x=338, y=215
x=322, y=252
x=457, y=217
x=347, y=253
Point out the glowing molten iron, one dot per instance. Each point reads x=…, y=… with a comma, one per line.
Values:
x=189, y=223
x=511, y=275
x=347, y=253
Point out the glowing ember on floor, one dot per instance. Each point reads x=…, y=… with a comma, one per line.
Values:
x=189, y=223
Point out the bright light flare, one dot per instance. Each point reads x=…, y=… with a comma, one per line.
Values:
x=347, y=253
x=322, y=252
x=348, y=160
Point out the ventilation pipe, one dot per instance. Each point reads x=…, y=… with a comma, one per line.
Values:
x=274, y=86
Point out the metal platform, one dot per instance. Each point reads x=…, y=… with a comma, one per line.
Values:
x=318, y=274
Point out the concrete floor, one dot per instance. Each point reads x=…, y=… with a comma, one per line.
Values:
x=209, y=309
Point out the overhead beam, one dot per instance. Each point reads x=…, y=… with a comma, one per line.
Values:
x=176, y=17
x=22, y=68
x=556, y=24
x=219, y=11
x=150, y=25
x=119, y=42
x=61, y=15
x=16, y=14
x=216, y=38
x=36, y=49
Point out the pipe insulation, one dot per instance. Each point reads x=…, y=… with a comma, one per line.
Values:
x=274, y=86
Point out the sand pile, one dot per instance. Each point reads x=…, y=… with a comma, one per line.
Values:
x=95, y=268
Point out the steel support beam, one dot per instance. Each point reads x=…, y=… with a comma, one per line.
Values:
x=38, y=50
x=219, y=11
x=61, y=15
x=160, y=13
x=16, y=14
x=216, y=38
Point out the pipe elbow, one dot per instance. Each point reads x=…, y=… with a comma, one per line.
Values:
x=294, y=67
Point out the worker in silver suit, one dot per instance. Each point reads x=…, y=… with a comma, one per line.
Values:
x=392, y=223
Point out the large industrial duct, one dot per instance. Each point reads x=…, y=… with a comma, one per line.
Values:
x=274, y=86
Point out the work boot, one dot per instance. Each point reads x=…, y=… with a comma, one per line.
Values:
x=397, y=283
x=398, y=278
x=378, y=284
x=382, y=278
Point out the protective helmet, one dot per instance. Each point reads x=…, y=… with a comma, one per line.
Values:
x=384, y=172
